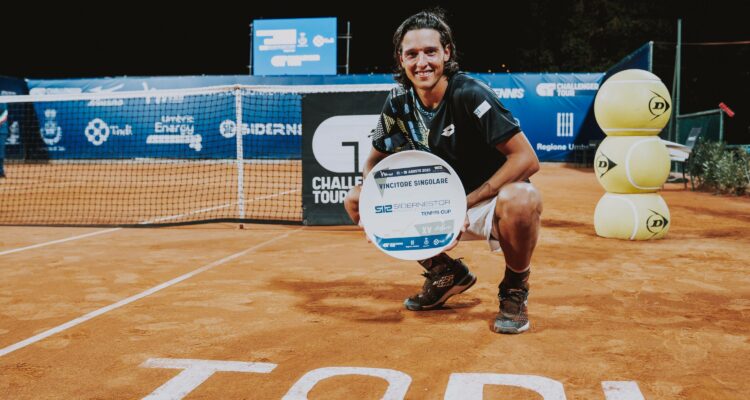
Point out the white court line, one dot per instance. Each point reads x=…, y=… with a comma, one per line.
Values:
x=160, y=219
x=177, y=216
x=131, y=299
x=34, y=246
x=171, y=217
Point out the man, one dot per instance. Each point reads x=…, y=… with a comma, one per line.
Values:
x=435, y=108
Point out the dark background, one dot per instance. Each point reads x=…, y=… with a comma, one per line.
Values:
x=213, y=38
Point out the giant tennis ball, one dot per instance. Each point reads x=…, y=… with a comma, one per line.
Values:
x=632, y=164
x=631, y=216
x=633, y=102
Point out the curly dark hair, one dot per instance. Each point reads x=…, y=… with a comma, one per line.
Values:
x=428, y=19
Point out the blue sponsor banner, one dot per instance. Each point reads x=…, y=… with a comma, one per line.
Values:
x=180, y=127
x=555, y=112
x=294, y=46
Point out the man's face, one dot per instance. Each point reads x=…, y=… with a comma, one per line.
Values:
x=423, y=57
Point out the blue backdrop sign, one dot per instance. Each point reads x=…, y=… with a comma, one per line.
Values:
x=182, y=127
x=294, y=46
x=554, y=110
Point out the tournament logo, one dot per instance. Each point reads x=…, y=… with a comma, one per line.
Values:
x=341, y=144
x=545, y=89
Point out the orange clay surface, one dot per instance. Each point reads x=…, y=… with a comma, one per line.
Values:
x=671, y=317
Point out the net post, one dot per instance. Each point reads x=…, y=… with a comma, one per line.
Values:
x=239, y=154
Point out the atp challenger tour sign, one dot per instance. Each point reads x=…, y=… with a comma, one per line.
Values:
x=335, y=144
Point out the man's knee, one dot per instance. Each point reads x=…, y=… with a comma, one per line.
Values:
x=518, y=200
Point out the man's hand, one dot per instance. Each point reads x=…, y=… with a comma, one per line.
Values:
x=363, y=231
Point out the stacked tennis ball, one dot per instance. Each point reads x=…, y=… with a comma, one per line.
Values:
x=632, y=163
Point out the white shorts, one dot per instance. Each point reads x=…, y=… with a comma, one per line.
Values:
x=480, y=223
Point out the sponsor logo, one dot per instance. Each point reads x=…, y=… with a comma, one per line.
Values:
x=228, y=129
x=565, y=124
x=287, y=41
x=603, y=164
x=385, y=209
x=274, y=129
x=176, y=129
x=97, y=131
x=551, y=147
x=277, y=39
x=413, y=206
x=106, y=103
x=510, y=93
x=560, y=147
x=302, y=40
x=182, y=124
x=51, y=132
x=448, y=131
x=657, y=105
x=320, y=40
x=444, y=281
x=656, y=222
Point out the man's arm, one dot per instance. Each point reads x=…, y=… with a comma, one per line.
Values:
x=520, y=165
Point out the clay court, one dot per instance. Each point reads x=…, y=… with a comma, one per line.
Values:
x=210, y=311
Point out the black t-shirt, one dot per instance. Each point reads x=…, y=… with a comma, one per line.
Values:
x=465, y=128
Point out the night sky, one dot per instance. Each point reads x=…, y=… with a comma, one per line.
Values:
x=60, y=42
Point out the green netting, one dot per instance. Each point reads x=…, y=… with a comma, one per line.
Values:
x=707, y=125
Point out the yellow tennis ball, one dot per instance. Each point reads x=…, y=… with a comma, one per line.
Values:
x=631, y=216
x=632, y=164
x=633, y=102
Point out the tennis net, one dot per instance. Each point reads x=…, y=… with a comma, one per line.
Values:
x=229, y=153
